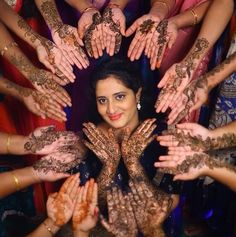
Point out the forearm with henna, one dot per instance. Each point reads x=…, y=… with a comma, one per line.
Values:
x=10, y=88
x=104, y=180
x=220, y=72
x=197, y=143
x=37, y=77
x=50, y=13
x=191, y=61
x=200, y=160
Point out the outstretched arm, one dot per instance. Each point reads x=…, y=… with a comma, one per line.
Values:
x=179, y=75
x=191, y=165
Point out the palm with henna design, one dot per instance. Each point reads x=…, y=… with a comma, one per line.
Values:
x=145, y=29
x=42, y=105
x=85, y=215
x=113, y=27
x=186, y=166
x=45, y=140
x=105, y=147
x=90, y=30
x=67, y=39
x=52, y=57
x=149, y=212
x=133, y=145
x=60, y=206
x=192, y=98
x=121, y=221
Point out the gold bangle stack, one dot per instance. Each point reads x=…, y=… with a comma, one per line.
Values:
x=8, y=144
x=7, y=47
x=195, y=17
x=16, y=181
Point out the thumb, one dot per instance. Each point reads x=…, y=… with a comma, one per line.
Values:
x=81, y=30
x=122, y=27
x=196, y=106
x=131, y=29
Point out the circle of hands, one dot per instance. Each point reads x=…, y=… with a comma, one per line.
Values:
x=104, y=31
x=187, y=156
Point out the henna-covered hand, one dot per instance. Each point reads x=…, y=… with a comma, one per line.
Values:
x=150, y=209
x=42, y=105
x=90, y=29
x=45, y=82
x=105, y=147
x=179, y=76
x=45, y=140
x=108, y=151
x=192, y=136
x=55, y=165
x=36, y=102
x=113, y=27
x=133, y=145
x=60, y=206
x=192, y=98
x=53, y=59
x=145, y=28
x=121, y=222
x=164, y=37
x=67, y=39
x=85, y=215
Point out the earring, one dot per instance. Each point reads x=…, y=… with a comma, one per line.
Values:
x=138, y=105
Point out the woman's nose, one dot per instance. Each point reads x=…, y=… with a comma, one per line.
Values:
x=111, y=108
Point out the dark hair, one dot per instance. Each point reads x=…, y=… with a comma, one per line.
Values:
x=125, y=71
x=121, y=70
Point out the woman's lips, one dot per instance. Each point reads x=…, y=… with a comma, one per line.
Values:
x=114, y=117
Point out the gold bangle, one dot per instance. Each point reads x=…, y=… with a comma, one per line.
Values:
x=8, y=144
x=111, y=5
x=195, y=17
x=88, y=9
x=165, y=4
x=48, y=228
x=16, y=181
x=5, y=48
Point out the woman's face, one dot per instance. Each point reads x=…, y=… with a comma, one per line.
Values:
x=116, y=103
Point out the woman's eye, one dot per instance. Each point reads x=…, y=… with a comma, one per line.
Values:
x=102, y=101
x=120, y=97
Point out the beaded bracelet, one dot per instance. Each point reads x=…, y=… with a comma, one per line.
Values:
x=195, y=17
x=5, y=48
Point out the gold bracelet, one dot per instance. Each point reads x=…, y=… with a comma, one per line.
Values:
x=8, y=144
x=195, y=17
x=88, y=9
x=5, y=48
x=48, y=228
x=111, y=5
x=16, y=181
x=165, y=4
